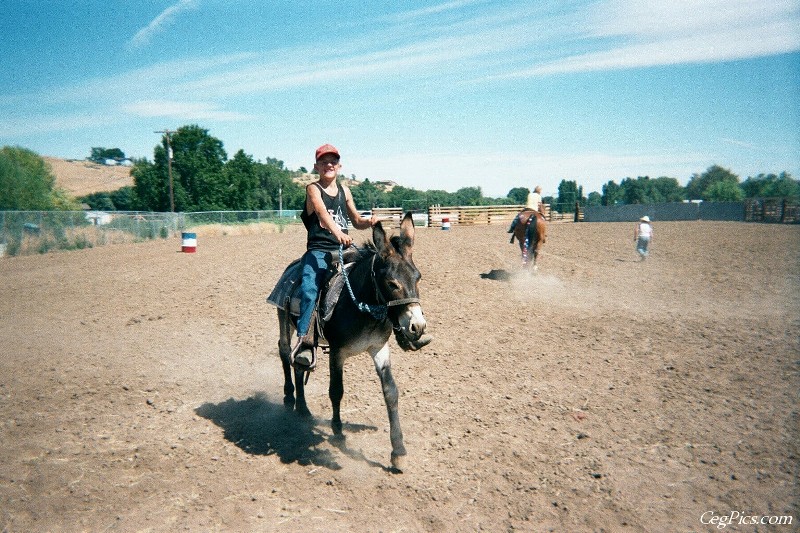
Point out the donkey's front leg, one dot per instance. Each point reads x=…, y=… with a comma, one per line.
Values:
x=383, y=365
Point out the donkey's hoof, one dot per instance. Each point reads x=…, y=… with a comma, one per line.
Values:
x=398, y=462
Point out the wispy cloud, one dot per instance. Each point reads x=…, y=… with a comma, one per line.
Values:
x=181, y=110
x=624, y=34
x=741, y=144
x=433, y=10
x=47, y=123
x=452, y=42
x=143, y=36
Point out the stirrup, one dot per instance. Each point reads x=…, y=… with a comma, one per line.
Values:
x=306, y=362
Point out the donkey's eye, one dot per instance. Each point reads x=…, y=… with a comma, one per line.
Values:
x=393, y=285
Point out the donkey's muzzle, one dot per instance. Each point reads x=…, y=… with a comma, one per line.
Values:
x=412, y=345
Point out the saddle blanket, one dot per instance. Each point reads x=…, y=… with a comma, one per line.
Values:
x=286, y=294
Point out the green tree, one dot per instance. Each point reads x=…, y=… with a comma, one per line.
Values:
x=99, y=154
x=276, y=188
x=440, y=197
x=771, y=186
x=406, y=198
x=612, y=193
x=568, y=194
x=367, y=195
x=519, y=195
x=28, y=184
x=595, y=198
x=124, y=198
x=699, y=183
x=723, y=191
x=151, y=183
x=198, y=179
x=634, y=191
x=241, y=179
x=197, y=163
x=99, y=201
x=665, y=190
x=469, y=196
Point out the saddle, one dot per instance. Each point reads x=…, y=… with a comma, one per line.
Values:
x=530, y=224
x=286, y=293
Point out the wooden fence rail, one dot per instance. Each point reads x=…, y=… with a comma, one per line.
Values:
x=468, y=215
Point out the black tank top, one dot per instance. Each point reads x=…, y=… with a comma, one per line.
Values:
x=320, y=238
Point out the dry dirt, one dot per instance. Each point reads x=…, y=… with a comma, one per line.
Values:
x=80, y=178
x=140, y=389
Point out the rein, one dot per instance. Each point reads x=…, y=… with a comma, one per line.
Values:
x=378, y=311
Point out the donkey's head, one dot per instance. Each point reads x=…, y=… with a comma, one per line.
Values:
x=397, y=280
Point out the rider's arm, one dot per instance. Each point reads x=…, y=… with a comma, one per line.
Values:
x=357, y=220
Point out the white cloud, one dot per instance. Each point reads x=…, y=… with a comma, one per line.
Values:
x=39, y=124
x=433, y=10
x=143, y=36
x=641, y=33
x=181, y=110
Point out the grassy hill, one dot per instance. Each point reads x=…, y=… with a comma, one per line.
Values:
x=80, y=178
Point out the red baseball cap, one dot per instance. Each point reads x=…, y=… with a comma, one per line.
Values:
x=327, y=149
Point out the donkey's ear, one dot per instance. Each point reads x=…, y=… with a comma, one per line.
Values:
x=381, y=241
x=406, y=235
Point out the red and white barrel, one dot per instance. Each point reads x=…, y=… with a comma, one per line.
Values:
x=189, y=243
x=445, y=223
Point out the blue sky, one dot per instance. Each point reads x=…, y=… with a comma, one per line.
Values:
x=496, y=94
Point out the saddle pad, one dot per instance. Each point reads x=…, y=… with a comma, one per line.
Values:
x=288, y=282
x=285, y=294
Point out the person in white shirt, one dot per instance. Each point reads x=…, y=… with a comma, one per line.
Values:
x=643, y=236
x=534, y=202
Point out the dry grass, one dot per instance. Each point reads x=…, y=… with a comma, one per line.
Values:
x=262, y=228
x=80, y=178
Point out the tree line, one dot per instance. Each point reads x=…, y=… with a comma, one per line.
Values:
x=191, y=170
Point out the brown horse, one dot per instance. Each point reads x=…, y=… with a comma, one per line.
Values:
x=531, y=233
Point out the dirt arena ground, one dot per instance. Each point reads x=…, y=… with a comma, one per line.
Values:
x=140, y=389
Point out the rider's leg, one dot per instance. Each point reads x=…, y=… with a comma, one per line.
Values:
x=315, y=264
x=513, y=224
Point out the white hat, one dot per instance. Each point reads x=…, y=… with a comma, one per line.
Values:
x=645, y=218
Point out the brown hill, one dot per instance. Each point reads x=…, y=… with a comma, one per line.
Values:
x=80, y=178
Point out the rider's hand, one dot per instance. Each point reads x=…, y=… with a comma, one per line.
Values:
x=345, y=239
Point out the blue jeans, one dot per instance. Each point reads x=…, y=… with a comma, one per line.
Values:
x=315, y=264
x=643, y=245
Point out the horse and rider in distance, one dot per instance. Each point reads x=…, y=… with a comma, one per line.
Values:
x=530, y=229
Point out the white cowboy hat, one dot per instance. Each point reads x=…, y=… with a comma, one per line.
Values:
x=645, y=218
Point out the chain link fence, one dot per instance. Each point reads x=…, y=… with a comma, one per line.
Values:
x=32, y=232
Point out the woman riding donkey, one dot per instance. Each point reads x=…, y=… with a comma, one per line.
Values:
x=328, y=211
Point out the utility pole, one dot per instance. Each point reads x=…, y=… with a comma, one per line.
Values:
x=167, y=134
x=280, y=201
